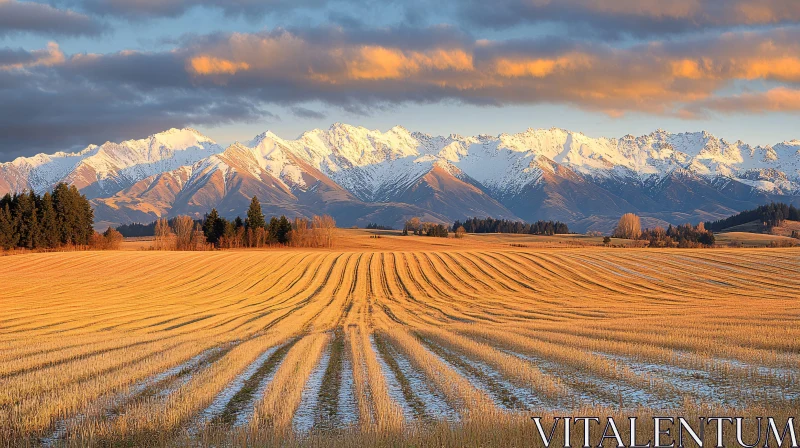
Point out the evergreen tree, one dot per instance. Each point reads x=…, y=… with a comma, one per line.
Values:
x=5, y=200
x=272, y=230
x=85, y=219
x=8, y=235
x=48, y=221
x=284, y=227
x=64, y=206
x=255, y=217
x=214, y=227
x=27, y=219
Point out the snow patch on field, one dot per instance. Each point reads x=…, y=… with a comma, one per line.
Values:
x=305, y=415
x=524, y=397
x=62, y=426
x=393, y=384
x=221, y=400
x=347, y=405
x=590, y=389
x=435, y=404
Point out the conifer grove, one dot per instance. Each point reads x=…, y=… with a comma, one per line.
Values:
x=61, y=218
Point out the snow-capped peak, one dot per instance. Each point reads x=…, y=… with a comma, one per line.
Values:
x=111, y=167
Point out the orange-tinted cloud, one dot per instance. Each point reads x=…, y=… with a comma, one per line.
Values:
x=540, y=67
x=779, y=99
x=376, y=62
x=209, y=65
x=784, y=68
x=656, y=77
x=46, y=58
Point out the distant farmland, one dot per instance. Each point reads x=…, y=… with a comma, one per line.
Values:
x=328, y=347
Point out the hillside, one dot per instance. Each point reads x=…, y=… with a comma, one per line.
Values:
x=774, y=218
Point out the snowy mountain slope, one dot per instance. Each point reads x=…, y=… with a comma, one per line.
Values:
x=104, y=170
x=283, y=183
x=373, y=164
x=535, y=174
x=449, y=191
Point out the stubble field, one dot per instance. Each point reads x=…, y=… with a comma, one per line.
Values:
x=387, y=341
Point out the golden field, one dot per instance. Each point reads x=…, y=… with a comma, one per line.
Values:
x=388, y=341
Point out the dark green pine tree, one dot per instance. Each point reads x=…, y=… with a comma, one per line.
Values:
x=6, y=200
x=8, y=232
x=86, y=217
x=214, y=227
x=238, y=222
x=255, y=217
x=272, y=230
x=27, y=219
x=48, y=222
x=62, y=203
x=74, y=215
x=284, y=227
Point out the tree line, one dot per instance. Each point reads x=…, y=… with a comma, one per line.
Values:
x=63, y=218
x=376, y=226
x=682, y=236
x=490, y=225
x=770, y=215
x=215, y=231
x=415, y=226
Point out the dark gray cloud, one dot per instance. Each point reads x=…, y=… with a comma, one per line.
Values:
x=20, y=17
x=638, y=18
x=10, y=56
x=608, y=19
x=50, y=108
x=302, y=112
x=146, y=9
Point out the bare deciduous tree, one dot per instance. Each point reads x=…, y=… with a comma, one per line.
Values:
x=112, y=239
x=629, y=226
x=323, y=228
x=184, y=233
x=300, y=236
x=163, y=235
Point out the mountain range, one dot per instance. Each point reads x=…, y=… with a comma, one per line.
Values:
x=360, y=176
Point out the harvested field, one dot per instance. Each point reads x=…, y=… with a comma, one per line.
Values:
x=385, y=344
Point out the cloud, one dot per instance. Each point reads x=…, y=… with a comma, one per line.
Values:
x=60, y=107
x=20, y=59
x=605, y=19
x=144, y=9
x=779, y=99
x=616, y=18
x=654, y=77
x=228, y=78
x=209, y=65
x=302, y=112
x=20, y=17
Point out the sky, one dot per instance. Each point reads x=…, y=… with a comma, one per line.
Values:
x=80, y=72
